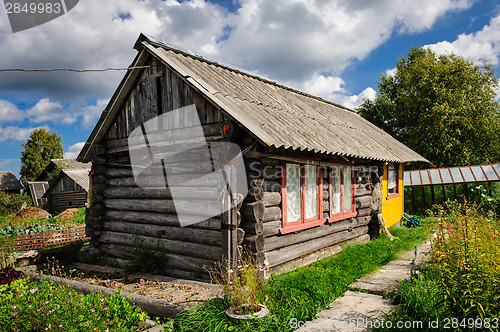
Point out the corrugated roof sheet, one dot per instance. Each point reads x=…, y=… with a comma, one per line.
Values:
x=71, y=164
x=8, y=181
x=81, y=177
x=453, y=175
x=275, y=114
x=286, y=118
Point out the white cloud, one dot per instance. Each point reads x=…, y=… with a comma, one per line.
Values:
x=355, y=100
x=391, y=72
x=74, y=150
x=17, y=134
x=45, y=110
x=324, y=86
x=481, y=46
x=289, y=40
x=9, y=111
x=91, y=113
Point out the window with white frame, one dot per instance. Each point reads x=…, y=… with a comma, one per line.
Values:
x=392, y=179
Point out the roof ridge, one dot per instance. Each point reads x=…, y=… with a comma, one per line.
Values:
x=176, y=49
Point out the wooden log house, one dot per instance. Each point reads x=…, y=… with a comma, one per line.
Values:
x=315, y=170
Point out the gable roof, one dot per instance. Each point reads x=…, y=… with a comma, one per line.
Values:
x=277, y=115
x=71, y=163
x=8, y=181
x=80, y=177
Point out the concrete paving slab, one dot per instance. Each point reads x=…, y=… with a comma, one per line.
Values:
x=351, y=313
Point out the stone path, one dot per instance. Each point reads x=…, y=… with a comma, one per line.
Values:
x=356, y=310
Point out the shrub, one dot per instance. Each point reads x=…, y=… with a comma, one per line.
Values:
x=9, y=274
x=12, y=203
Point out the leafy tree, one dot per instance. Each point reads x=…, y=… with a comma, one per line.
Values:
x=442, y=106
x=40, y=148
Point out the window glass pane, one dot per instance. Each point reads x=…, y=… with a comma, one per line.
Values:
x=425, y=177
x=467, y=174
x=415, y=178
x=293, y=211
x=457, y=176
x=393, y=179
x=347, y=189
x=311, y=191
x=336, y=181
x=490, y=173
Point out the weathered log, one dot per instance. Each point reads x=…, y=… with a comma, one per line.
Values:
x=364, y=212
x=363, y=202
x=313, y=257
x=158, y=219
x=326, y=194
x=271, y=213
x=212, y=180
x=154, y=307
x=283, y=255
x=203, y=236
x=212, y=129
x=276, y=242
x=253, y=211
x=363, y=190
x=180, y=193
x=240, y=235
x=255, y=194
x=171, y=261
x=271, y=198
x=271, y=186
x=254, y=242
x=376, y=201
x=253, y=227
x=271, y=228
x=153, y=243
x=326, y=206
x=199, y=208
x=255, y=183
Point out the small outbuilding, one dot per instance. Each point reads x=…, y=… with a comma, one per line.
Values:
x=68, y=185
x=317, y=175
x=9, y=184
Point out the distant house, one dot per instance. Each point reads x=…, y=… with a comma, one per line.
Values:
x=9, y=184
x=68, y=189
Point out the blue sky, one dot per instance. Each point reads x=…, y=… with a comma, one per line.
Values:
x=333, y=49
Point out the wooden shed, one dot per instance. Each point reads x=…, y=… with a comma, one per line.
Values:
x=9, y=184
x=316, y=171
x=68, y=190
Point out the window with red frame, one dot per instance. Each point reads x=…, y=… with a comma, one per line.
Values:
x=302, y=197
x=392, y=179
x=342, y=193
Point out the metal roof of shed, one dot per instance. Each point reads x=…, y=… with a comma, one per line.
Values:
x=453, y=175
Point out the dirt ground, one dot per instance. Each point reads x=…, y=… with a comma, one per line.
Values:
x=185, y=293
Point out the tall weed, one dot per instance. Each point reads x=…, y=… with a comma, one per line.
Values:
x=467, y=264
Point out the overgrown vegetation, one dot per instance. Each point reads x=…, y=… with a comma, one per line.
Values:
x=10, y=204
x=299, y=295
x=77, y=219
x=463, y=280
x=33, y=305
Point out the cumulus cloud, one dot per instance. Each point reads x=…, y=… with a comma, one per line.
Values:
x=9, y=111
x=324, y=86
x=17, y=134
x=481, y=47
x=355, y=100
x=91, y=113
x=73, y=150
x=288, y=40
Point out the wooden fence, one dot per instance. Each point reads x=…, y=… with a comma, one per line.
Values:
x=49, y=238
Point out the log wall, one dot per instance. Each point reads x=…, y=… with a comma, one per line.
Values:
x=62, y=201
x=124, y=217
x=262, y=220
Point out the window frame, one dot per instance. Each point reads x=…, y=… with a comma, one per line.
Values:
x=343, y=214
x=303, y=223
x=389, y=196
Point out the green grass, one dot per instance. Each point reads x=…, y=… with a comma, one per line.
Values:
x=300, y=294
x=78, y=219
